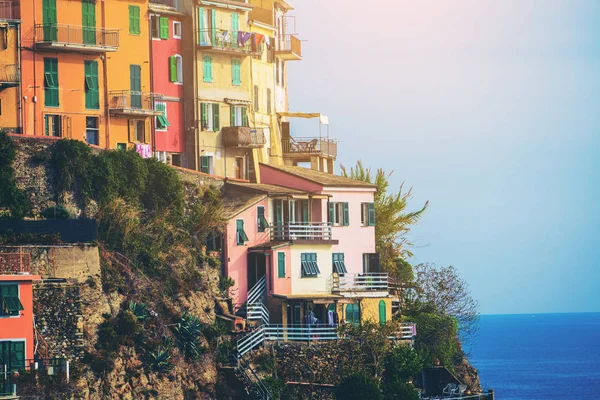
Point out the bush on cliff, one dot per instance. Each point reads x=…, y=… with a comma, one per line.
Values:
x=359, y=386
x=12, y=199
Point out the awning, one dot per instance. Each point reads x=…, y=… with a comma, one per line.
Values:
x=238, y=102
x=322, y=118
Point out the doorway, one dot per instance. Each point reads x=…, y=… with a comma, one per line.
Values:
x=257, y=268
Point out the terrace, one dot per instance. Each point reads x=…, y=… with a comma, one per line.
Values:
x=132, y=103
x=73, y=38
x=289, y=48
x=292, y=231
x=243, y=137
x=227, y=41
x=360, y=285
x=10, y=76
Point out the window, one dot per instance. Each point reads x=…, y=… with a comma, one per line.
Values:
x=176, y=68
x=176, y=160
x=367, y=214
x=164, y=27
x=52, y=125
x=239, y=168
x=135, y=85
x=211, y=120
x=269, y=110
x=240, y=234
x=207, y=63
x=12, y=354
x=338, y=214
x=92, y=131
x=10, y=305
x=281, y=265
x=161, y=121
x=51, y=82
x=239, y=116
x=137, y=130
x=262, y=221
x=338, y=263
x=134, y=20
x=176, y=29
x=155, y=26
x=88, y=16
x=92, y=93
x=371, y=262
x=49, y=20
x=121, y=146
x=236, y=72
x=206, y=164
x=309, y=265
x=353, y=314
x=256, y=92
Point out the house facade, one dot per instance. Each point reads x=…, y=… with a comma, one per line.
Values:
x=10, y=69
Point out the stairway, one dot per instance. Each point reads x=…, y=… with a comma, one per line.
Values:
x=255, y=387
x=254, y=309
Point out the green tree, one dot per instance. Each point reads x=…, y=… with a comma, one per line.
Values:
x=402, y=367
x=359, y=386
x=12, y=198
x=393, y=220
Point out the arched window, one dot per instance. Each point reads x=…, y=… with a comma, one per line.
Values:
x=382, y=313
x=176, y=68
x=352, y=314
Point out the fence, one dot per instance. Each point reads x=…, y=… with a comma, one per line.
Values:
x=301, y=231
x=320, y=146
x=77, y=35
x=374, y=281
x=223, y=39
x=69, y=230
x=15, y=263
x=132, y=100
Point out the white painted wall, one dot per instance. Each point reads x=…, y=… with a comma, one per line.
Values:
x=320, y=284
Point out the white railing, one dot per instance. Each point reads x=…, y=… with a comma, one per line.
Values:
x=258, y=290
x=301, y=231
x=257, y=312
x=373, y=281
x=255, y=387
x=300, y=333
x=408, y=331
x=250, y=341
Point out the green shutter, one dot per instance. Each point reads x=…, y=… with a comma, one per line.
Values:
x=173, y=69
x=207, y=68
x=204, y=166
x=49, y=20
x=204, y=115
x=281, y=265
x=200, y=25
x=216, y=117
x=17, y=353
x=240, y=233
x=213, y=33
x=164, y=27
x=92, y=92
x=135, y=85
x=134, y=20
x=236, y=74
x=161, y=121
x=88, y=16
x=382, y=313
x=346, y=215
x=235, y=27
x=244, y=116
x=51, y=88
x=371, y=212
x=232, y=116
x=331, y=213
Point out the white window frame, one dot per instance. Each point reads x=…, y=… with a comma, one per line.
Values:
x=211, y=162
x=156, y=118
x=209, y=114
x=175, y=36
x=19, y=297
x=239, y=118
x=338, y=214
x=179, y=68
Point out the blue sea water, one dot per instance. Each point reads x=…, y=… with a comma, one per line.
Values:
x=539, y=356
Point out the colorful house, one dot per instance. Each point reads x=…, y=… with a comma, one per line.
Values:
x=10, y=71
x=301, y=248
x=167, y=50
x=16, y=311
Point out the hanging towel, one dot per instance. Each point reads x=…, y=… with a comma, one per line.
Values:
x=330, y=319
x=268, y=42
x=243, y=38
x=143, y=150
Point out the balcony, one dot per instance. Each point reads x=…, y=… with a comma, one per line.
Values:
x=302, y=231
x=74, y=38
x=15, y=264
x=243, y=137
x=168, y=5
x=352, y=285
x=302, y=147
x=9, y=10
x=227, y=42
x=289, y=48
x=10, y=76
x=131, y=103
x=262, y=15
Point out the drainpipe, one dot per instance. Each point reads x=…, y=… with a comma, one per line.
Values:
x=105, y=85
x=20, y=88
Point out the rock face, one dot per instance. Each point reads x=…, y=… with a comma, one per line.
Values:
x=468, y=375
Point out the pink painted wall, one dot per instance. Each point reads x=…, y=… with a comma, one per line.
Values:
x=171, y=140
x=273, y=176
x=236, y=257
x=281, y=285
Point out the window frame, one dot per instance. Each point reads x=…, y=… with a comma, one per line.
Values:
x=15, y=300
x=210, y=117
x=240, y=234
x=261, y=221
x=367, y=214
x=96, y=129
x=338, y=264
x=281, y=264
x=164, y=125
x=209, y=159
x=175, y=35
x=58, y=119
x=339, y=213
x=155, y=26
x=309, y=268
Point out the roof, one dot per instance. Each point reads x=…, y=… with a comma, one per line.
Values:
x=270, y=190
x=234, y=204
x=321, y=178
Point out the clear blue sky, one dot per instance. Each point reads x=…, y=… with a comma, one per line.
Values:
x=490, y=110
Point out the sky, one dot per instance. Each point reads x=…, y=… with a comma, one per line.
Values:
x=488, y=109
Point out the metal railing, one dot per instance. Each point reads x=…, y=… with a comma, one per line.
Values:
x=408, y=331
x=254, y=385
x=243, y=136
x=10, y=73
x=257, y=312
x=300, y=333
x=77, y=35
x=9, y=10
x=168, y=3
x=289, y=43
x=373, y=281
x=223, y=39
x=258, y=290
x=301, y=231
x=132, y=100
x=319, y=146
x=15, y=263
x=251, y=340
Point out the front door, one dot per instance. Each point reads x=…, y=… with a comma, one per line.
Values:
x=12, y=354
x=257, y=268
x=135, y=85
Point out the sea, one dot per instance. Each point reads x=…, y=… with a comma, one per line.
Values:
x=539, y=356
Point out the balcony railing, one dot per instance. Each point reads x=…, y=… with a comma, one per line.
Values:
x=373, y=281
x=9, y=10
x=15, y=263
x=76, y=38
x=166, y=3
x=301, y=231
x=243, y=136
x=304, y=146
x=289, y=47
x=10, y=73
x=133, y=103
x=227, y=40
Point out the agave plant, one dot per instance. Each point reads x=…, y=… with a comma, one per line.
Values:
x=187, y=331
x=140, y=310
x=160, y=359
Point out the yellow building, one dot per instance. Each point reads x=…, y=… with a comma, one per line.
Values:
x=10, y=77
x=131, y=104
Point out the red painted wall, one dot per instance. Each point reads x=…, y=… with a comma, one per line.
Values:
x=171, y=140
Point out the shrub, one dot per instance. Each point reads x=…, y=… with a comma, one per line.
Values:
x=127, y=323
x=140, y=310
x=187, y=331
x=13, y=199
x=58, y=212
x=160, y=359
x=275, y=386
x=359, y=386
x=397, y=389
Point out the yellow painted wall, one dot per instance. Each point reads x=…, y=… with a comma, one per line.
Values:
x=9, y=97
x=370, y=309
x=133, y=49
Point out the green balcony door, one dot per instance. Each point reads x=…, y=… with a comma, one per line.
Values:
x=49, y=20
x=135, y=85
x=88, y=15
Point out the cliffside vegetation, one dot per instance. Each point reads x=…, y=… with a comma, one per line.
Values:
x=13, y=201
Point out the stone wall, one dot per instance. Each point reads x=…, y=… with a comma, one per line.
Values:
x=76, y=262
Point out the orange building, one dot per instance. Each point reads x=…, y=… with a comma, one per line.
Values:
x=10, y=77
x=16, y=311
